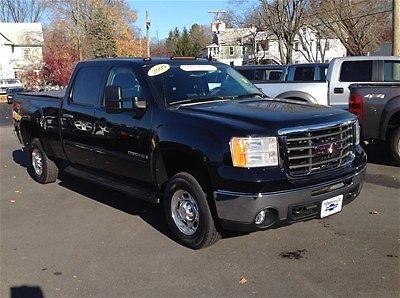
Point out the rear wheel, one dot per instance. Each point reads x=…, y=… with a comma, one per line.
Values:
x=188, y=213
x=43, y=169
x=394, y=144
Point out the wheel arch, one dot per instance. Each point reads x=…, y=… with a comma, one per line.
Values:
x=170, y=158
x=297, y=95
x=390, y=117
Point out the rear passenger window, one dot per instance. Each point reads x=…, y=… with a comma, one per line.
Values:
x=304, y=74
x=391, y=71
x=87, y=85
x=356, y=71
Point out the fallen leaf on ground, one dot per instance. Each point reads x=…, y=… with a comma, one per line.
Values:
x=17, y=191
x=242, y=280
x=374, y=212
x=12, y=201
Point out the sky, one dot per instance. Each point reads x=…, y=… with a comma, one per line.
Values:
x=166, y=15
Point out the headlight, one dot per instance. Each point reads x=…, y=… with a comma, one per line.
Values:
x=254, y=152
x=357, y=132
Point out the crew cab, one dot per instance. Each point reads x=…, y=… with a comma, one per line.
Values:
x=377, y=107
x=197, y=137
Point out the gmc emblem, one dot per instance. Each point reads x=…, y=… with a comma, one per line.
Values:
x=325, y=149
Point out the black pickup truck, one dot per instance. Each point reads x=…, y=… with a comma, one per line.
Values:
x=198, y=137
x=377, y=107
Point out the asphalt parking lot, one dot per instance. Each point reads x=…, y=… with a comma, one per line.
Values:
x=76, y=239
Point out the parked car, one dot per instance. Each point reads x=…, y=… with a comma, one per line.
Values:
x=377, y=107
x=9, y=83
x=11, y=93
x=261, y=73
x=197, y=137
x=311, y=86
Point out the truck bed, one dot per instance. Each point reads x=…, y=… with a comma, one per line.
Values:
x=378, y=102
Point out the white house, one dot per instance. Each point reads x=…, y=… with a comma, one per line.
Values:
x=238, y=46
x=20, y=48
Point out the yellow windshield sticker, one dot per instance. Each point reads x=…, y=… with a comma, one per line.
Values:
x=198, y=67
x=158, y=69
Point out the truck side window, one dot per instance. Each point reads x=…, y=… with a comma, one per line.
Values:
x=247, y=73
x=126, y=79
x=304, y=74
x=356, y=71
x=260, y=75
x=86, y=85
x=275, y=75
x=391, y=71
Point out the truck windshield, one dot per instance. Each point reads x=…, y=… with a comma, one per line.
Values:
x=185, y=83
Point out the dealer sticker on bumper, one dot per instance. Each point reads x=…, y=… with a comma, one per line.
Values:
x=331, y=206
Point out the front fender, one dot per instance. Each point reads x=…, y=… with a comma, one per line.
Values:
x=192, y=143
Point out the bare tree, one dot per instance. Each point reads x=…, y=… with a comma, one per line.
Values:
x=284, y=18
x=358, y=24
x=20, y=11
x=313, y=45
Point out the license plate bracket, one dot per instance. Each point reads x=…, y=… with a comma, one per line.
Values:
x=331, y=206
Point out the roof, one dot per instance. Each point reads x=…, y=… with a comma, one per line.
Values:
x=151, y=61
x=261, y=66
x=233, y=35
x=26, y=34
x=363, y=58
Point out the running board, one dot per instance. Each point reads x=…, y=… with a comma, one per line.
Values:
x=139, y=193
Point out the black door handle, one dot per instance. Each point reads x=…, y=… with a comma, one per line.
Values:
x=338, y=90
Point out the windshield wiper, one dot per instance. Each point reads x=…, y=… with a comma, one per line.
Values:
x=198, y=99
x=248, y=95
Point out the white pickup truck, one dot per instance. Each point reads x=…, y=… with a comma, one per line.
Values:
x=327, y=84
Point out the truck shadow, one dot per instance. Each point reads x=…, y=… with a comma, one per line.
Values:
x=152, y=214
x=26, y=291
x=378, y=153
x=21, y=157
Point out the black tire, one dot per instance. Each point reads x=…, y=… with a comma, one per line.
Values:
x=49, y=170
x=394, y=144
x=206, y=233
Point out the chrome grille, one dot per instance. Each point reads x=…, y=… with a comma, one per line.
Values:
x=317, y=150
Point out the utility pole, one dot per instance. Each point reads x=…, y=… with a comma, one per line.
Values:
x=148, y=24
x=396, y=28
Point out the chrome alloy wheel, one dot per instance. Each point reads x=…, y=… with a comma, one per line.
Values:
x=185, y=212
x=37, y=161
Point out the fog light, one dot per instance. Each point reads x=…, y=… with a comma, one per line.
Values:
x=260, y=217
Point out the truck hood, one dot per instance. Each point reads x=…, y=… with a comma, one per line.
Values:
x=273, y=114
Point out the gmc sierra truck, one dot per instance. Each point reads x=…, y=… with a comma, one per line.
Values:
x=197, y=137
x=377, y=107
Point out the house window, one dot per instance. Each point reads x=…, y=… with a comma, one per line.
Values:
x=304, y=30
x=26, y=53
x=231, y=63
x=231, y=51
x=296, y=46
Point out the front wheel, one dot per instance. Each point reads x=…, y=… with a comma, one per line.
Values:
x=394, y=144
x=188, y=213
